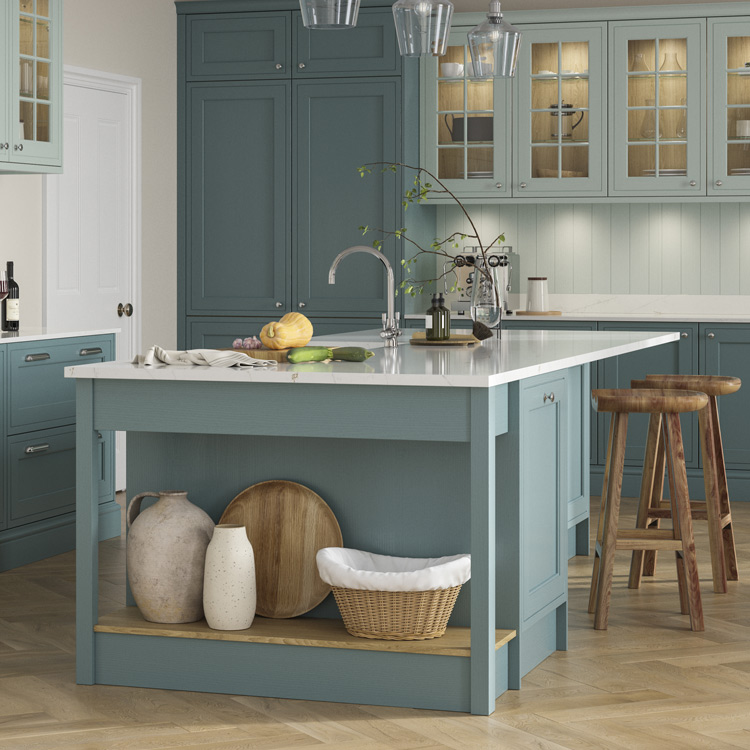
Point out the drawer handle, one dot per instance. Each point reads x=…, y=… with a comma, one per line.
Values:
x=37, y=448
x=36, y=357
x=550, y=398
x=89, y=352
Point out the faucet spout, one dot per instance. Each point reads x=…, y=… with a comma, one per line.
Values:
x=390, y=332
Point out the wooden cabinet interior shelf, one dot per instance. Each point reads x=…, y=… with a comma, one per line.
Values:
x=296, y=631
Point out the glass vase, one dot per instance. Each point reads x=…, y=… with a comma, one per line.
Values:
x=486, y=300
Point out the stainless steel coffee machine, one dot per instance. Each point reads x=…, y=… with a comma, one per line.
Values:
x=460, y=274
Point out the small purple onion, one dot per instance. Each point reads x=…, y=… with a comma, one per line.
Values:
x=252, y=342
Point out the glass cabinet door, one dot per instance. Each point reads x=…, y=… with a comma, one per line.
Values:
x=36, y=81
x=466, y=124
x=559, y=142
x=729, y=125
x=657, y=136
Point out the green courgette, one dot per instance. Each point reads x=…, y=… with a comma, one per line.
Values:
x=309, y=354
x=352, y=353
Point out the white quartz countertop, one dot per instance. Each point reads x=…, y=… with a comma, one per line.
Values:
x=46, y=334
x=517, y=355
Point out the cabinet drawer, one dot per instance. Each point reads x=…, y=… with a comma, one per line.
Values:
x=42, y=470
x=238, y=45
x=39, y=395
x=368, y=49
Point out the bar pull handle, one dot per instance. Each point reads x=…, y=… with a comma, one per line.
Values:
x=36, y=448
x=90, y=352
x=36, y=357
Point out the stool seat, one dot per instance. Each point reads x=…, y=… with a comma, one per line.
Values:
x=711, y=385
x=647, y=400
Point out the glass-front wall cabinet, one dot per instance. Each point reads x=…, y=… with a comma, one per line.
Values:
x=729, y=127
x=464, y=143
x=559, y=112
x=658, y=106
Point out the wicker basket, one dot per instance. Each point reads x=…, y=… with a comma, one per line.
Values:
x=396, y=615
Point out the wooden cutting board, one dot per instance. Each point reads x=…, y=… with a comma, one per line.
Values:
x=538, y=312
x=287, y=523
x=278, y=354
x=456, y=339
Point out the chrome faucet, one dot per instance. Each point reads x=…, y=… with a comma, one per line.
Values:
x=391, y=331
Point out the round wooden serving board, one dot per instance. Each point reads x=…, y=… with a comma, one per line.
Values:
x=287, y=523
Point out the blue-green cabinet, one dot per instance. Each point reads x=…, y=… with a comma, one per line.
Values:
x=3, y=479
x=725, y=350
x=560, y=108
x=31, y=86
x=657, y=142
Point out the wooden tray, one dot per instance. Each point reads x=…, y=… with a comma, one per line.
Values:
x=456, y=339
x=277, y=354
x=287, y=523
x=532, y=312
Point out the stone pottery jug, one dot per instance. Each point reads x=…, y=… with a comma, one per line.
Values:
x=229, y=592
x=166, y=552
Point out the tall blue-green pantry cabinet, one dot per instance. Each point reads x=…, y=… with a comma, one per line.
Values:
x=273, y=121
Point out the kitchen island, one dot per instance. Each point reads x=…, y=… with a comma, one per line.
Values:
x=420, y=451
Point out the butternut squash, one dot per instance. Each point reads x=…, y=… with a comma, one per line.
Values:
x=294, y=329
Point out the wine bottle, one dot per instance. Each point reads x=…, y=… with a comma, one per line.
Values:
x=10, y=309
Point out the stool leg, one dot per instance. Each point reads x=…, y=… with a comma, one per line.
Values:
x=611, y=517
x=600, y=525
x=650, y=461
x=687, y=567
x=713, y=511
x=730, y=554
x=657, y=495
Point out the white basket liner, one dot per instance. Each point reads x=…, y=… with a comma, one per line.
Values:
x=355, y=569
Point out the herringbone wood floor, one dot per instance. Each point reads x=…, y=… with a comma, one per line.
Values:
x=647, y=682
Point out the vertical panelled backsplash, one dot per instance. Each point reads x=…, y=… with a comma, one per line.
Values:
x=639, y=248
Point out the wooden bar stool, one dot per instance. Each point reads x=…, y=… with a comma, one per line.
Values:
x=665, y=406
x=716, y=508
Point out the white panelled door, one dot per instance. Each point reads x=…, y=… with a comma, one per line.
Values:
x=92, y=218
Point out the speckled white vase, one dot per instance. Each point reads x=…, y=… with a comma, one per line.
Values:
x=229, y=592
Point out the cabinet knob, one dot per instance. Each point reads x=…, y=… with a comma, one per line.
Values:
x=279, y=304
x=301, y=66
x=18, y=147
x=711, y=335
x=279, y=66
x=718, y=183
x=522, y=186
x=301, y=305
x=499, y=185
x=693, y=183
x=126, y=310
x=549, y=398
x=4, y=145
x=684, y=335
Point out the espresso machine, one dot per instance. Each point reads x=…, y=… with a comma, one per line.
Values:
x=461, y=273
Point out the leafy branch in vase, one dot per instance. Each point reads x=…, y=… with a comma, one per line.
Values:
x=426, y=184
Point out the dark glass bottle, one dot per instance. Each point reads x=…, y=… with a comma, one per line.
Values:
x=10, y=311
x=445, y=319
x=432, y=328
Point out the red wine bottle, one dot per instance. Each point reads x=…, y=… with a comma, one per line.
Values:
x=10, y=316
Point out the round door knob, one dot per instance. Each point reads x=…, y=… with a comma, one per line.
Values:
x=301, y=305
x=279, y=66
x=684, y=335
x=6, y=145
x=499, y=185
x=718, y=183
x=523, y=186
x=301, y=66
x=693, y=183
x=126, y=310
x=279, y=304
x=711, y=335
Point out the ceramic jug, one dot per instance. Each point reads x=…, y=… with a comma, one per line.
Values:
x=166, y=553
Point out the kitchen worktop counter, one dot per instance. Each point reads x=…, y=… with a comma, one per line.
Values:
x=517, y=355
x=47, y=334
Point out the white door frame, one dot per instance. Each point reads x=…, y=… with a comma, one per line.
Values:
x=131, y=88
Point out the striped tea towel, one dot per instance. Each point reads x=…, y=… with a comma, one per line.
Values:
x=211, y=357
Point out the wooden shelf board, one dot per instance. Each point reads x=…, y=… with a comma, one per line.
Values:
x=296, y=631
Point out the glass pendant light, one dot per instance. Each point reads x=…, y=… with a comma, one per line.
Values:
x=329, y=14
x=422, y=26
x=494, y=45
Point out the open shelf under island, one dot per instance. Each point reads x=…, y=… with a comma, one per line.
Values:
x=419, y=452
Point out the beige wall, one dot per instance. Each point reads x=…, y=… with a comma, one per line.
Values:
x=137, y=38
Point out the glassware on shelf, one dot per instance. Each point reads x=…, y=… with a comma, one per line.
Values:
x=681, y=130
x=670, y=62
x=3, y=285
x=648, y=127
x=639, y=63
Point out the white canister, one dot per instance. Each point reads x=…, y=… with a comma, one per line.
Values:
x=537, y=299
x=743, y=128
x=229, y=591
